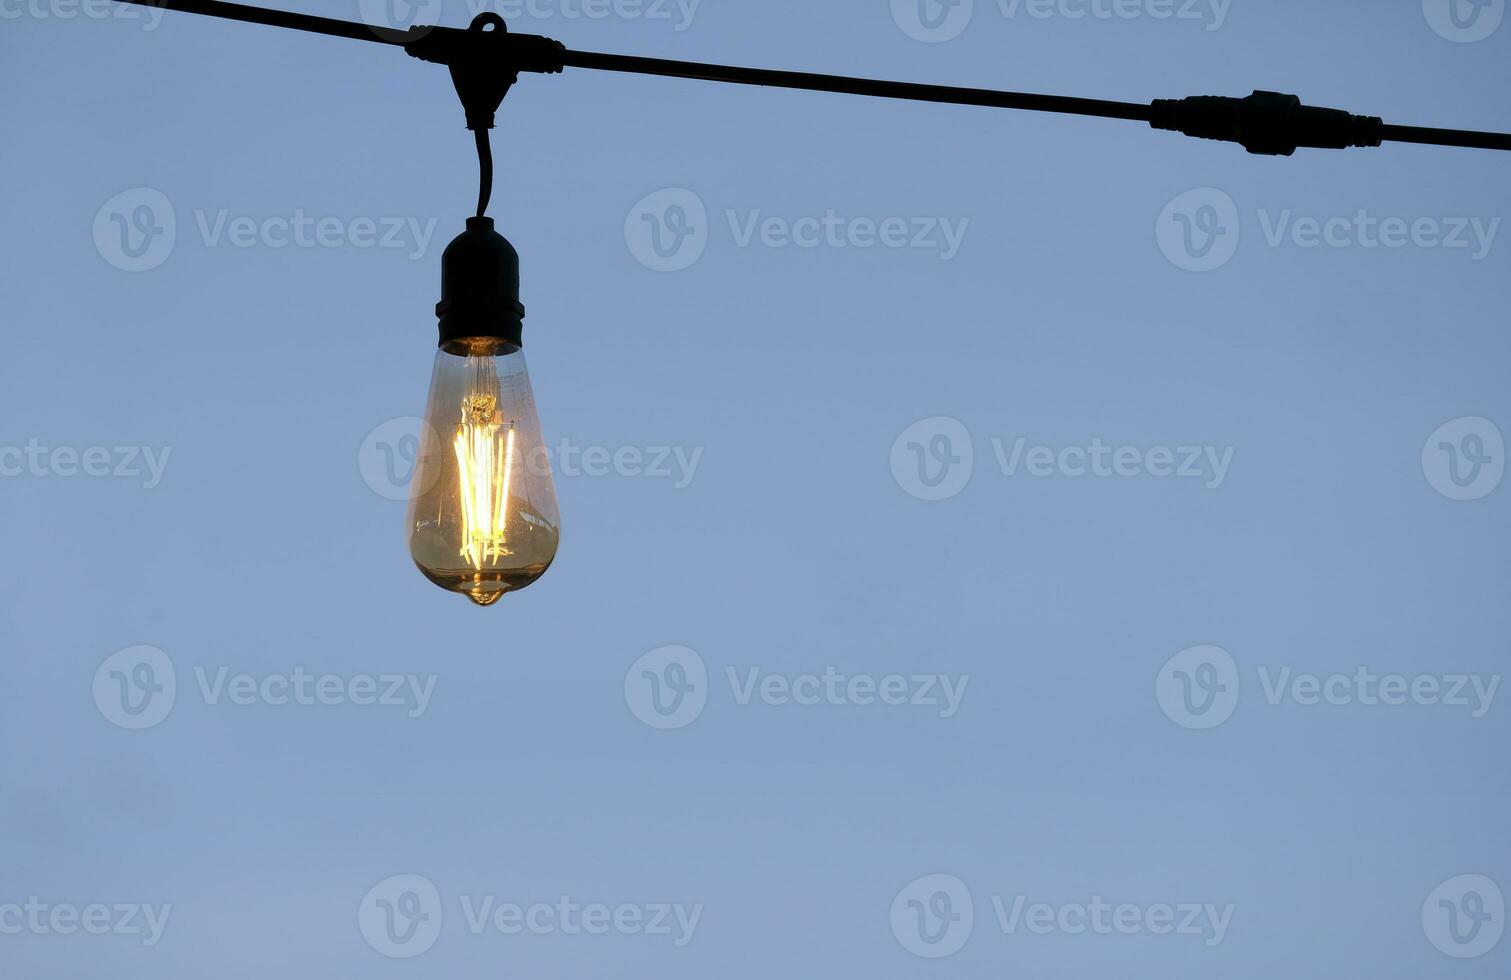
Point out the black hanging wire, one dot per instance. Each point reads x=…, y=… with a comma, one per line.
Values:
x=485, y=172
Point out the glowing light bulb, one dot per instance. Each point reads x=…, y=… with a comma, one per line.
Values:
x=482, y=512
x=482, y=506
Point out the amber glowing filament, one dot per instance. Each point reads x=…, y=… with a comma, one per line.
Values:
x=485, y=462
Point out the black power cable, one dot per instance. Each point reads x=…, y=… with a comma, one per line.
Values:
x=485, y=172
x=857, y=86
x=1265, y=122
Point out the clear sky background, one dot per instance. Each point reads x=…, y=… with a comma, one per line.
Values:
x=1091, y=301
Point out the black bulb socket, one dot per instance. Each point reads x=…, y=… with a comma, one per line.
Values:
x=480, y=288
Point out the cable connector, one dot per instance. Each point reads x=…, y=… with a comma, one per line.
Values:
x=486, y=63
x=1268, y=123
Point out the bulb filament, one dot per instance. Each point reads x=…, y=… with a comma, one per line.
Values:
x=485, y=460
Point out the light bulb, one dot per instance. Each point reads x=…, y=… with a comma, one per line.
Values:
x=482, y=507
x=482, y=512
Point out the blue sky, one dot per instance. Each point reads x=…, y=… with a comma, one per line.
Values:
x=993, y=543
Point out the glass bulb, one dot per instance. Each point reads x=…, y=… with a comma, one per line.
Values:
x=482, y=508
